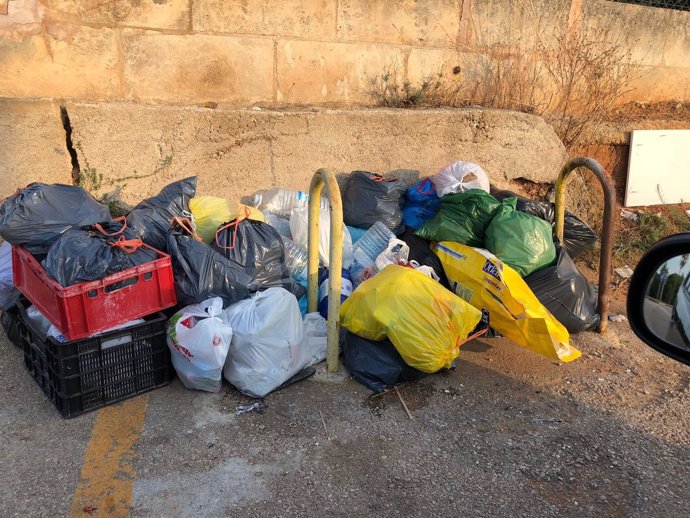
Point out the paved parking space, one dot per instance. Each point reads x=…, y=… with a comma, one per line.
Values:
x=507, y=433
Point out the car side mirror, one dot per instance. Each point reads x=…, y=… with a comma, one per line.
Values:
x=659, y=298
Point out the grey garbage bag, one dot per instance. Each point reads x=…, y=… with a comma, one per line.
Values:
x=369, y=198
x=201, y=273
x=91, y=253
x=258, y=247
x=566, y=293
x=38, y=214
x=151, y=219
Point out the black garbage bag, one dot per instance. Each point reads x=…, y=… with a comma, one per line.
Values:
x=91, y=253
x=376, y=365
x=201, y=273
x=577, y=235
x=566, y=293
x=9, y=320
x=151, y=219
x=37, y=215
x=369, y=198
x=421, y=252
x=258, y=247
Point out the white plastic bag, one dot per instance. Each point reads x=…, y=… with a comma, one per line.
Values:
x=268, y=345
x=451, y=178
x=425, y=269
x=396, y=252
x=299, y=227
x=45, y=329
x=316, y=332
x=199, y=341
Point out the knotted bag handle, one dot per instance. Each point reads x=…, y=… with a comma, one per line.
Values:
x=234, y=223
x=98, y=227
x=128, y=246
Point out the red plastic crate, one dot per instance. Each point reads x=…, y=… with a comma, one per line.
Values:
x=90, y=307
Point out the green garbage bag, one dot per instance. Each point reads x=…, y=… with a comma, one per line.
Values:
x=520, y=240
x=463, y=218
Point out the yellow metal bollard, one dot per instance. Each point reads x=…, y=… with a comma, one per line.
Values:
x=607, y=229
x=335, y=258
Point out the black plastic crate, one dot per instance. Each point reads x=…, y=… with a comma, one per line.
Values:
x=91, y=373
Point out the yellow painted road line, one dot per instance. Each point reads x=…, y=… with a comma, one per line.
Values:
x=107, y=473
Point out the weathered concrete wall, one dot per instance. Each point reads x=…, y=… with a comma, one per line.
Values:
x=305, y=51
x=32, y=145
x=237, y=151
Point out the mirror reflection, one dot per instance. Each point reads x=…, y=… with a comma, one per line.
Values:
x=667, y=302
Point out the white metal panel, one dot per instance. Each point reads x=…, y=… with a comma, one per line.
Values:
x=659, y=168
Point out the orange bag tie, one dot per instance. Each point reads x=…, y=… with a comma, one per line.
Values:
x=128, y=246
x=234, y=223
x=98, y=227
x=186, y=225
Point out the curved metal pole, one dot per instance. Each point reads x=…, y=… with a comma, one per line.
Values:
x=608, y=186
x=335, y=258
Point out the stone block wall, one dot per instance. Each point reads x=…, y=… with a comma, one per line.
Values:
x=300, y=52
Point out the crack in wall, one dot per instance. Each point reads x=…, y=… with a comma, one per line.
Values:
x=67, y=125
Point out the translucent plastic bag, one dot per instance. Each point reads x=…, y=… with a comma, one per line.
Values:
x=520, y=240
x=269, y=345
x=463, y=218
x=480, y=278
x=422, y=204
x=460, y=176
x=578, y=237
x=199, y=341
x=316, y=332
x=369, y=197
x=396, y=252
x=426, y=322
x=210, y=212
x=299, y=227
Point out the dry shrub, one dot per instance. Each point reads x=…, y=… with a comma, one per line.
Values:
x=589, y=77
x=574, y=77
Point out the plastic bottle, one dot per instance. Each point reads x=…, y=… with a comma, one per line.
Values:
x=345, y=290
x=295, y=259
x=367, y=249
x=281, y=201
x=282, y=225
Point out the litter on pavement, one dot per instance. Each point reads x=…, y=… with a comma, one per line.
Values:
x=214, y=290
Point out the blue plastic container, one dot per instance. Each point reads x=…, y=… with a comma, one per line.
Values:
x=345, y=290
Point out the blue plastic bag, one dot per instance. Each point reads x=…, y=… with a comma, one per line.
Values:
x=422, y=204
x=423, y=193
x=415, y=216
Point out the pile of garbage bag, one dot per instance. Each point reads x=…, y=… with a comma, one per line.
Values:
x=426, y=267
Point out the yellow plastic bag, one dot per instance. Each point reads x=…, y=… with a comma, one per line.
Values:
x=426, y=322
x=210, y=212
x=481, y=279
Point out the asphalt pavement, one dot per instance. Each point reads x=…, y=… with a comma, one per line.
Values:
x=508, y=433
